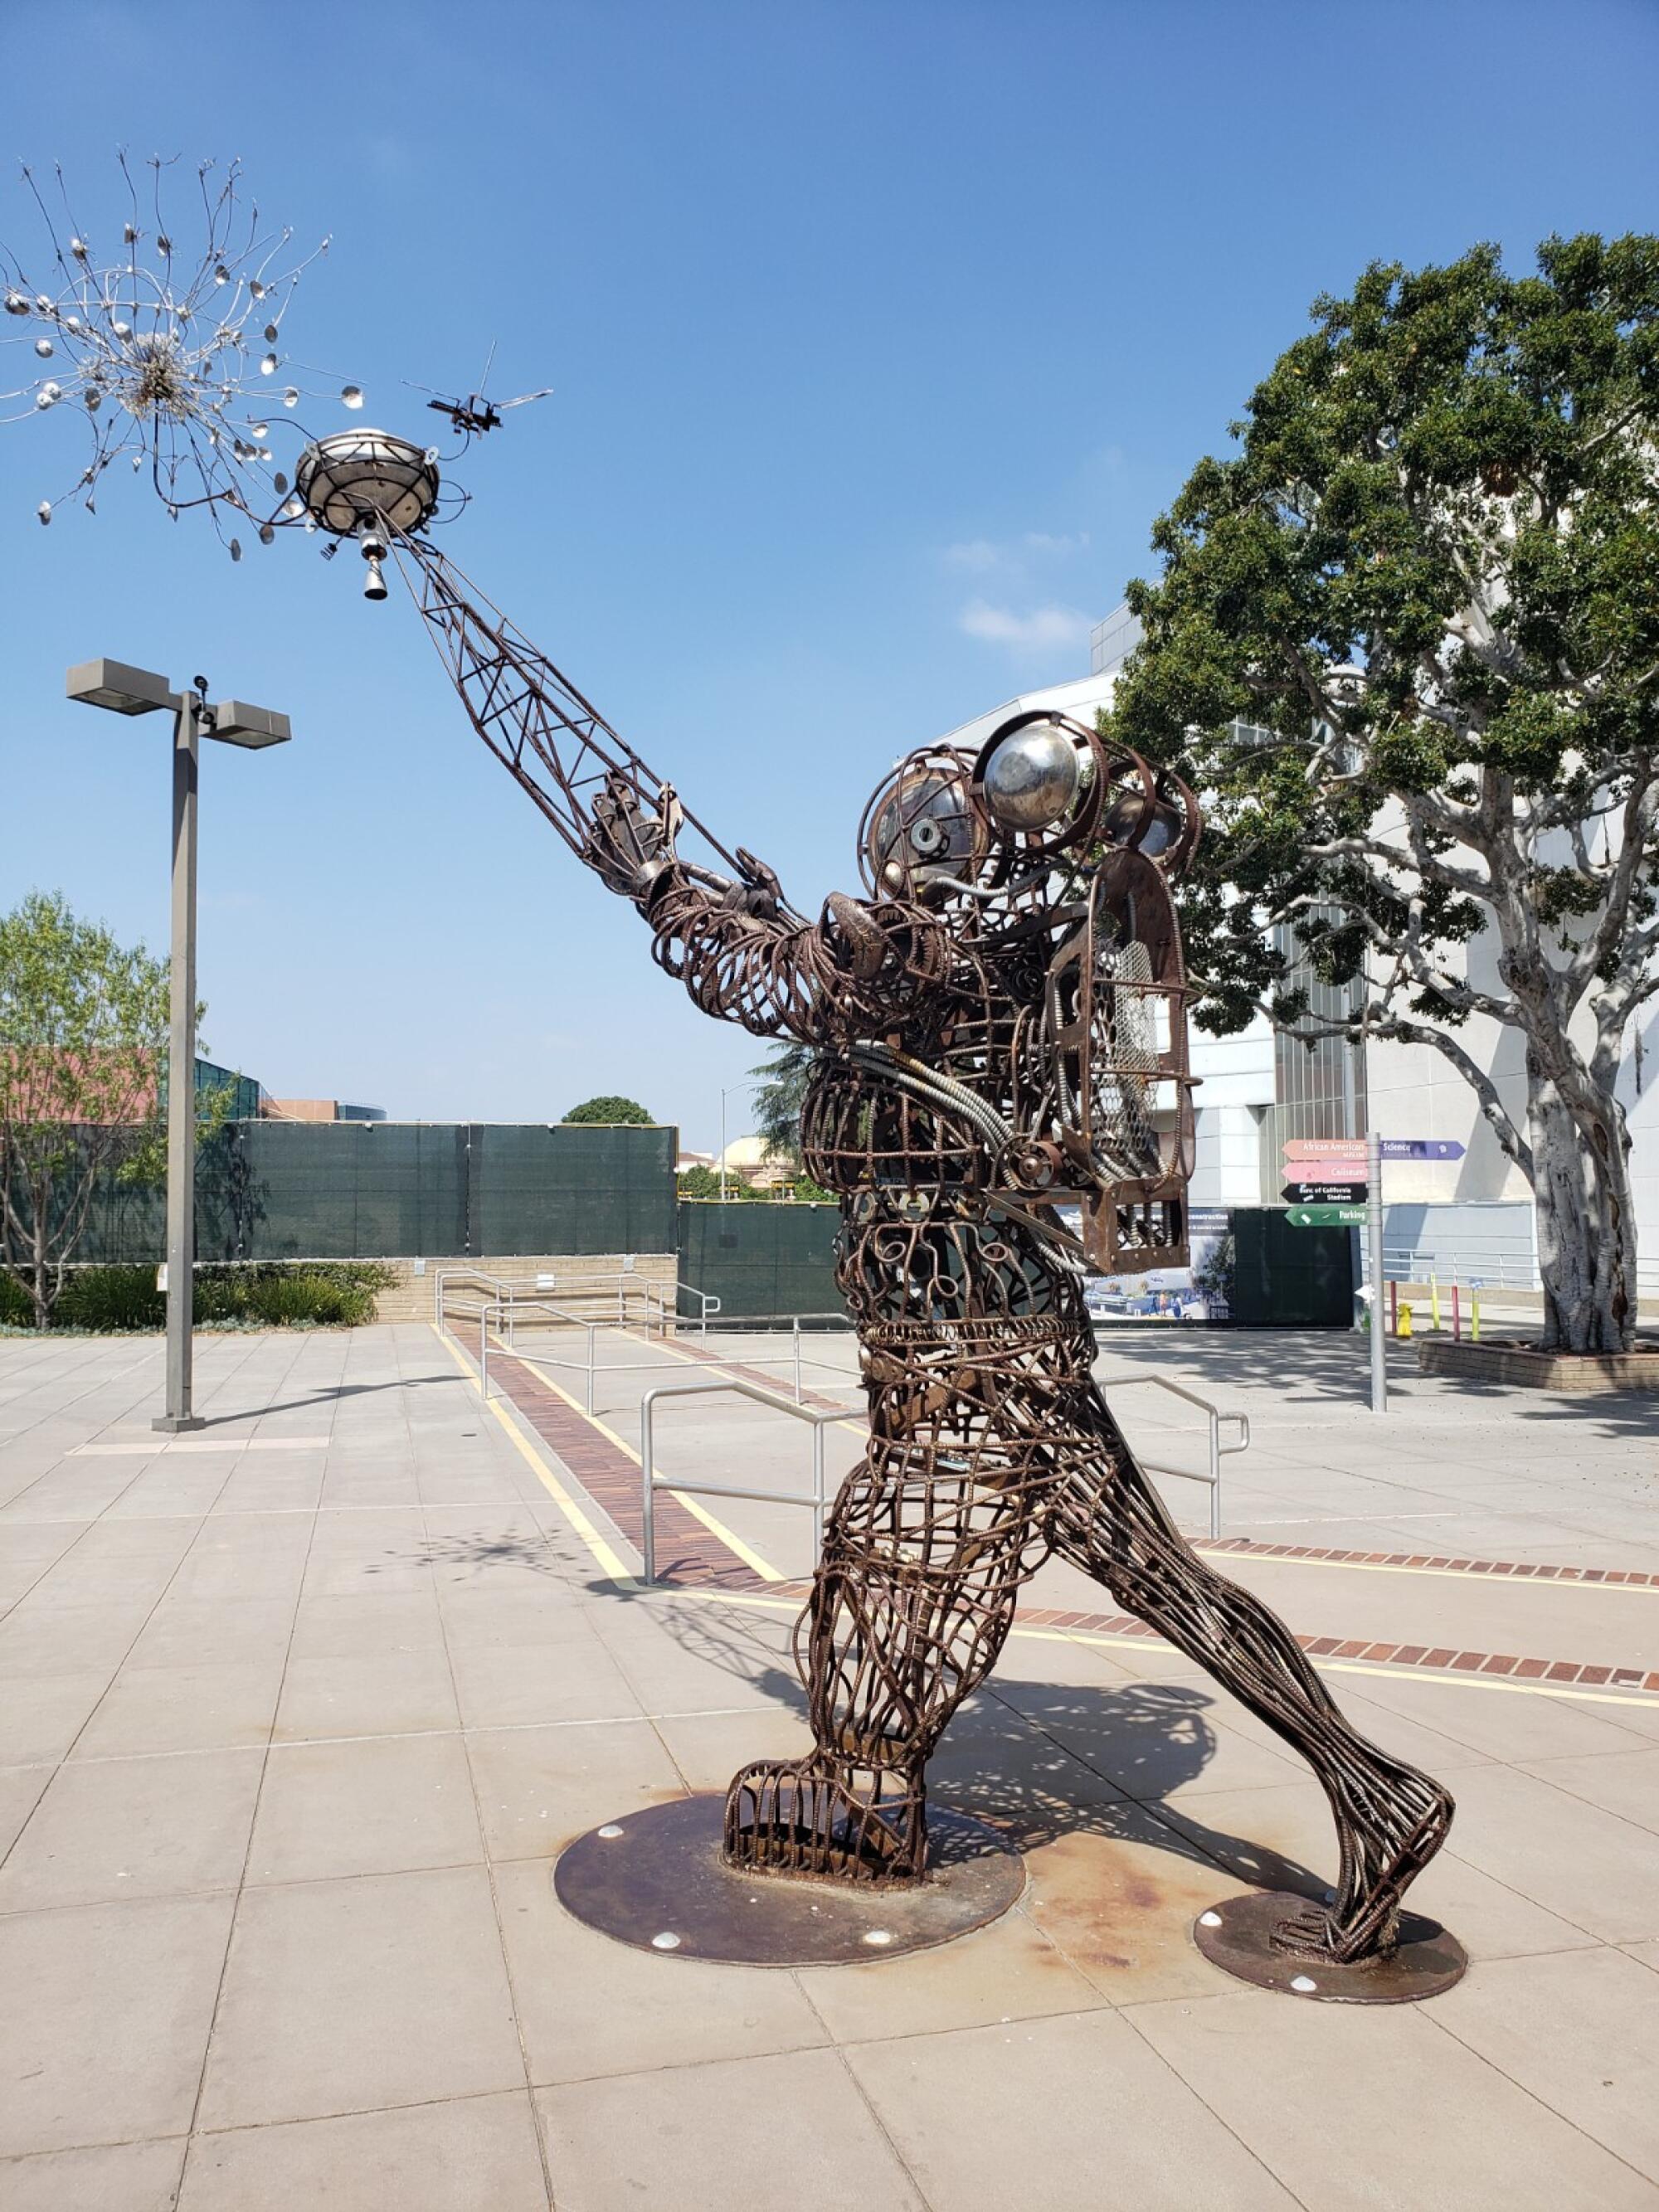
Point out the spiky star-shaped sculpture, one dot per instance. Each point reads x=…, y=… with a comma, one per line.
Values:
x=171, y=357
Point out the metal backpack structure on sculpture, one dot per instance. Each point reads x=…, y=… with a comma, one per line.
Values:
x=999, y=1025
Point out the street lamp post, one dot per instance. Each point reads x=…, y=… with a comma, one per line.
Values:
x=125, y=690
x=749, y=1085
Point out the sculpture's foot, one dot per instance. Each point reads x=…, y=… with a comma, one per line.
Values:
x=807, y=1817
x=1362, y=1920
x=1360, y=1948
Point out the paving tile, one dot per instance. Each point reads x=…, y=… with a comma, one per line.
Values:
x=1153, y=1740
x=375, y=1693
x=709, y=1748
x=36, y=1640
x=1581, y=2032
x=137, y=2177
x=540, y=1616
x=201, y=1632
x=1506, y=1723
x=116, y=1999
x=538, y=1787
x=1622, y=1782
x=473, y=2154
x=21, y=1789
x=107, y=1829
x=1319, y=2092
x=501, y=1684
x=791, y=2129
x=1593, y=1868
x=353, y=1627
x=1117, y=1895
x=589, y=2007
x=41, y=1718
x=1072, y=2111
x=1009, y=1971
x=374, y=1806
x=214, y=1708
x=347, y=1996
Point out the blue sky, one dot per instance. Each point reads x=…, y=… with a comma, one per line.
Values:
x=880, y=334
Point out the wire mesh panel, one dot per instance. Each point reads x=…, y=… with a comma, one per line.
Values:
x=1289, y=1278
x=761, y=1259
x=585, y=1188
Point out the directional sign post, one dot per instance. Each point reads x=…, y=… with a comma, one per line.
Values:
x=1327, y=1217
x=1325, y=1194
x=1420, y=1148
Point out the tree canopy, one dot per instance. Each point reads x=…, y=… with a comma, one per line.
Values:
x=613, y=1110
x=83, y=1029
x=1407, y=640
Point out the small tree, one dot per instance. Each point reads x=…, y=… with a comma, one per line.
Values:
x=83, y=1026
x=1407, y=640
x=627, y=1113
x=779, y=1097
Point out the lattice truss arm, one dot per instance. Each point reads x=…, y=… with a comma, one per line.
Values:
x=550, y=739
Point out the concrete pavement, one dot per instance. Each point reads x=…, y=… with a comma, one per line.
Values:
x=295, y=1714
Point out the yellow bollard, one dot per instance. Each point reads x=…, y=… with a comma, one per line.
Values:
x=1474, y=1316
x=1405, y=1328
x=1434, y=1303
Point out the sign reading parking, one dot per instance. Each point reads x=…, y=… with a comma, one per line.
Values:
x=1325, y=1217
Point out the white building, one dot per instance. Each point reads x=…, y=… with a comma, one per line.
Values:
x=1470, y=1218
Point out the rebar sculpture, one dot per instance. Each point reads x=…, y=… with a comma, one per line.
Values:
x=1000, y=1029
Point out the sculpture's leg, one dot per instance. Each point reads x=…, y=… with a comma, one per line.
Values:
x=909, y=1606
x=1390, y=1819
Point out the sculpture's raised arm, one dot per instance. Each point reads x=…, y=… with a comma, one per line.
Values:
x=747, y=956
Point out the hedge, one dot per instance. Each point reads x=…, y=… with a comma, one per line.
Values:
x=311, y=1294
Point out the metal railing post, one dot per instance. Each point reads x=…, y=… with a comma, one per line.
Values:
x=483, y=1352
x=1215, y=1474
x=797, y=1331
x=817, y=1491
x=648, y=1495
x=593, y=1334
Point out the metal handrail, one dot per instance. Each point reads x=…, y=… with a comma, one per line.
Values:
x=651, y=1482
x=1219, y=1452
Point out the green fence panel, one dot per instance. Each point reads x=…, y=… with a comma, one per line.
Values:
x=385, y=1190
x=1287, y=1278
x=760, y=1258
x=564, y=1190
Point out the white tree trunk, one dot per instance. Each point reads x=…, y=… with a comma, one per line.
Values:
x=1586, y=1225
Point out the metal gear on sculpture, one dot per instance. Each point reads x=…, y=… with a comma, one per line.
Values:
x=999, y=1027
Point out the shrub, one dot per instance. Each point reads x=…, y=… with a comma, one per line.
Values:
x=272, y=1294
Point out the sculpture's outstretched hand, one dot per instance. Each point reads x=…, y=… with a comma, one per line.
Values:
x=630, y=845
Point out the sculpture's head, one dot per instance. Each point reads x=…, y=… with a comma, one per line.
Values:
x=1024, y=823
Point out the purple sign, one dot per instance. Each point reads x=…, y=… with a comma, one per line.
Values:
x=1420, y=1148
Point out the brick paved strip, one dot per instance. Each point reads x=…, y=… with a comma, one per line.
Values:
x=691, y=1556
x=688, y=1554
x=1437, y=1563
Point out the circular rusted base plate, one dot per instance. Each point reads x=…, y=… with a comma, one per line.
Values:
x=1238, y=1937
x=656, y=1879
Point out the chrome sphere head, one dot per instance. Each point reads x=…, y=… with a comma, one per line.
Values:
x=1030, y=781
x=366, y=475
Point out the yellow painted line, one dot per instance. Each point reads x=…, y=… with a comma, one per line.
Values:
x=1140, y=1643
x=608, y=1562
x=1443, y=1574
x=733, y=1542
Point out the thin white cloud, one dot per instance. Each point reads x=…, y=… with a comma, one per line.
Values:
x=975, y=554
x=1043, y=626
x=1011, y=556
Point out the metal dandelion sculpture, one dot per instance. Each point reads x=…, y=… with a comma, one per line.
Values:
x=170, y=354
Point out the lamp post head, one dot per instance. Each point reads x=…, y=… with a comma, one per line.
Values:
x=234, y=722
x=124, y=691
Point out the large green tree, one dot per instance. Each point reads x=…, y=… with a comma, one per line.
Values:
x=1406, y=638
x=83, y=1028
x=779, y=1097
